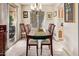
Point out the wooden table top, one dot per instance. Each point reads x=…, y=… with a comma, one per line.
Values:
x=39, y=33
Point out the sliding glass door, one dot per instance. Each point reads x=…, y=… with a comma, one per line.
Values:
x=13, y=17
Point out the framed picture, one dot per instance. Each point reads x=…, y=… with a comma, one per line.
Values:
x=61, y=12
x=25, y=14
x=54, y=13
x=49, y=15
x=69, y=12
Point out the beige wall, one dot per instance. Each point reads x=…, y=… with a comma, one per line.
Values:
x=71, y=34
x=26, y=20
x=0, y=13
x=70, y=42
x=3, y=13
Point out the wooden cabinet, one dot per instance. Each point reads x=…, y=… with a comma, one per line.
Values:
x=61, y=34
x=2, y=39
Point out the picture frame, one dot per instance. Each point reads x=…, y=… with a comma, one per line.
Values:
x=54, y=13
x=49, y=15
x=25, y=14
x=61, y=12
x=69, y=14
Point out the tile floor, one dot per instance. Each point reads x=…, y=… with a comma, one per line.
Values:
x=19, y=49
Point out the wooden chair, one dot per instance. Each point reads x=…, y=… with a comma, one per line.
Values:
x=23, y=30
x=51, y=28
x=31, y=42
x=28, y=27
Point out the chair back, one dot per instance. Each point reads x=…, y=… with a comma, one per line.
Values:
x=28, y=28
x=51, y=28
x=22, y=27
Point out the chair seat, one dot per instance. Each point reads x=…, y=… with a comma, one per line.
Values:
x=47, y=41
x=32, y=41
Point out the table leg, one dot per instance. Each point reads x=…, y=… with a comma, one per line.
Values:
x=51, y=46
x=41, y=49
x=27, y=47
x=39, y=45
x=37, y=50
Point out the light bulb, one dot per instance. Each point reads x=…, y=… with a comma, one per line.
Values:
x=40, y=6
x=32, y=7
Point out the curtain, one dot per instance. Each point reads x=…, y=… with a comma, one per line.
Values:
x=36, y=16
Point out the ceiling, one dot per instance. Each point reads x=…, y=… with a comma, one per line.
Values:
x=54, y=5
x=49, y=4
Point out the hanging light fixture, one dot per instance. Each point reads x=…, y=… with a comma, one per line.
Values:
x=36, y=6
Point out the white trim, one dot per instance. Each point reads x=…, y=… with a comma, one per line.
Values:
x=67, y=52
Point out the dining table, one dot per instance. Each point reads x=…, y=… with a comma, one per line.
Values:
x=39, y=35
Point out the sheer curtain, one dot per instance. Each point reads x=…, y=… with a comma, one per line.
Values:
x=33, y=18
x=36, y=17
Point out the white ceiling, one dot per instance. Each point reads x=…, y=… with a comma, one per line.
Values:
x=49, y=4
x=54, y=5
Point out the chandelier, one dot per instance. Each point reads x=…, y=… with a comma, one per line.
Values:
x=36, y=6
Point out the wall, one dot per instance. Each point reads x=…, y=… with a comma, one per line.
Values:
x=71, y=35
x=47, y=8
x=3, y=12
x=70, y=42
x=57, y=20
x=26, y=8
x=0, y=13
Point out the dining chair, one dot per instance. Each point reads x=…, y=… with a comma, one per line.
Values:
x=51, y=28
x=22, y=30
x=31, y=42
x=28, y=27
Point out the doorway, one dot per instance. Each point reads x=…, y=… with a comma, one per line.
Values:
x=12, y=24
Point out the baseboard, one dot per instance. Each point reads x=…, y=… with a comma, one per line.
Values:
x=67, y=52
